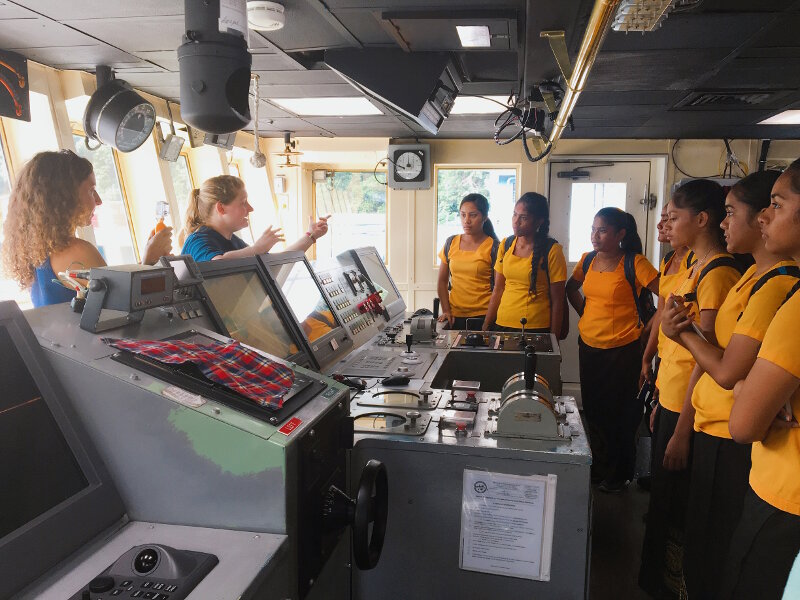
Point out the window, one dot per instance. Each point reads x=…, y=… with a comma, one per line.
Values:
x=112, y=231
x=356, y=202
x=247, y=233
x=27, y=139
x=498, y=185
x=182, y=185
x=585, y=200
x=9, y=289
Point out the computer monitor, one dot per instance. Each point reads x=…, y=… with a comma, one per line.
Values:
x=375, y=270
x=302, y=293
x=55, y=492
x=243, y=308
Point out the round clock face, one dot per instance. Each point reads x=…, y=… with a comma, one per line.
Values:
x=408, y=165
x=135, y=127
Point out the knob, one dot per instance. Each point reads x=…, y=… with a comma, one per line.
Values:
x=523, y=321
x=413, y=415
x=426, y=397
x=461, y=428
x=101, y=584
x=392, y=335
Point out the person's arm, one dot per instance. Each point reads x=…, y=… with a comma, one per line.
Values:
x=268, y=239
x=315, y=231
x=651, y=347
x=758, y=399
x=494, y=301
x=444, y=295
x=728, y=366
x=557, y=308
x=574, y=295
x=676, y=455
x=79, y=254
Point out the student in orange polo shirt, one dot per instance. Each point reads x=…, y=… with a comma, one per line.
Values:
x=696, y=211
x=609, y=346
x=720, y=467
x=765, y=412
x=468, y=266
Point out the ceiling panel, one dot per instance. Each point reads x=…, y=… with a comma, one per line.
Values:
x=343, y=90
x=62, y=10
x=306, y=29
x=168, y=59
x=136, y=34
x=82, y=57
x=39, y=33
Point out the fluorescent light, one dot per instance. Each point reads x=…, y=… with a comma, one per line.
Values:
x=474, y=36
x=472, y=105
x=328, y=107
x=787, y=117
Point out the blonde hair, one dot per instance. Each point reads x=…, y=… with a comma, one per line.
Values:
x=43, y=212
x=223, y=188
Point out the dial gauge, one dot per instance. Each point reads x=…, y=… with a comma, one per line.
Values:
x=408, y=165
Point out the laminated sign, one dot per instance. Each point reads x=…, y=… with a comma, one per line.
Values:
x=507, y=524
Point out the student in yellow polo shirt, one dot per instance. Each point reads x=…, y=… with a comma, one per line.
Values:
x=520, y=291
x=696, y=212
x=720, y=467
x=467, y=266
x=673, y=264
x=765, y=412
x=609, y=346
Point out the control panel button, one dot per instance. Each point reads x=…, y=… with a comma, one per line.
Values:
x=101, y=584
x=158, y=586
x=126, y=583
x=137, y=594
x=116, y=592
x=149, y=595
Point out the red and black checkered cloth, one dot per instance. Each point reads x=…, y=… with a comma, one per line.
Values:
x=242, y=370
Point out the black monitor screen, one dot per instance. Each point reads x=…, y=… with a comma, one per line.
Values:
x=247, y=311
x=38, y=470
x=310, y=308
x=377, y=274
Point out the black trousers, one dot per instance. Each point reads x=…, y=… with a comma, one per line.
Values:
x=661, y=572
x=720, y=472
x=762, y=551
x=609, y=382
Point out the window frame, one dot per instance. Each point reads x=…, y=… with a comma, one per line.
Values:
x=516, y=167
x=370, y=171
x=123, y=191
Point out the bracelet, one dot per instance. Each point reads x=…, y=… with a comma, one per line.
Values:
x=311, y=235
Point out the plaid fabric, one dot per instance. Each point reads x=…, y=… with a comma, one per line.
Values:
x=242, y=370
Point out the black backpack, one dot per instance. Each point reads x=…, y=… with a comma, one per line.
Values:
x=645, y=307
x=791, y=293
x=548, y=245
x=449, y=242
x=722, y=261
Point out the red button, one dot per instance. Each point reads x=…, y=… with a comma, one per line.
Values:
x=290, y=426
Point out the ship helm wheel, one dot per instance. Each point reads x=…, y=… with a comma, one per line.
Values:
x=369, y=522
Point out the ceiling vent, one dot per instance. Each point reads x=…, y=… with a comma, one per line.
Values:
x=722, y=99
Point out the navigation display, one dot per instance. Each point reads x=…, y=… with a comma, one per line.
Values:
x=376, y=271
x=247, y=312
x=312, y=311
x=38, y=470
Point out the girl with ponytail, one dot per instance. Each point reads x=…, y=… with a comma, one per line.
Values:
x=217, y=210
x=466, y=270
x=695, y=214
x=609, y=347
x=530, y=273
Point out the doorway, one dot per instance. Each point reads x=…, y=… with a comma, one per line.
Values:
x=579, y=187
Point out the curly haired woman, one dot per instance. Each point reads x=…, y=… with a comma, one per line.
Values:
x=56, y=193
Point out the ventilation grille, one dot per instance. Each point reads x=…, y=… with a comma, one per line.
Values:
x=725, y=99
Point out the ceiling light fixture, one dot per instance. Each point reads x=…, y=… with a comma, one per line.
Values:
x=478, y=105
x=265, y=16
x=474, y=36
x=641, y=15
x=787, y=117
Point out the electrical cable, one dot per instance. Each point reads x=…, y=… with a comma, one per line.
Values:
x=675, y=163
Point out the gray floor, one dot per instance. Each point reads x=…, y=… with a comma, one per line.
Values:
x=617, y=532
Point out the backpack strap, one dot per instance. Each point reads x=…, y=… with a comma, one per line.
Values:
x=665, y=261
x=587, y=262
x=690, y=259
x=548, y=246
x=791, y=293
x=722, y=261
x=507, y=243
x=447, y=244
x=493, y=259
x=791, y=270
x=630, y=275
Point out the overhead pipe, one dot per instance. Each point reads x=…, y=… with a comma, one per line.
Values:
x=599, y=23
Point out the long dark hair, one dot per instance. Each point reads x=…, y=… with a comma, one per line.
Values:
x=793, y=171
x=619, y=220
x=537, y=206
x=704, y=195
x=755, y=189
x=482, y=204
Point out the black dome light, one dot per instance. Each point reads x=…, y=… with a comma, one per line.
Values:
x=116, y=115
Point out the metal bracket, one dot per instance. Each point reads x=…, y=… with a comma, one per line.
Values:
x=558, y=45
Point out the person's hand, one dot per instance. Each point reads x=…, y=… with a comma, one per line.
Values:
x=157, y=246
x=268, y=239
x=676, y=318
x=783, y=420
x=646, y=373
x=653, y=417
x=319, y=228
x=446, y=316
x=676, y=456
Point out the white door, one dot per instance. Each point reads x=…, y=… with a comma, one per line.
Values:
x=578, y=189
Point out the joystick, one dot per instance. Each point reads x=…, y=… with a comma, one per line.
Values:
x=523, y=321
x=474, y=339
x=392, y=335
x=409, y=341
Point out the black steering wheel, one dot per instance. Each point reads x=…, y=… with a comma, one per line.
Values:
x=372, y=507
